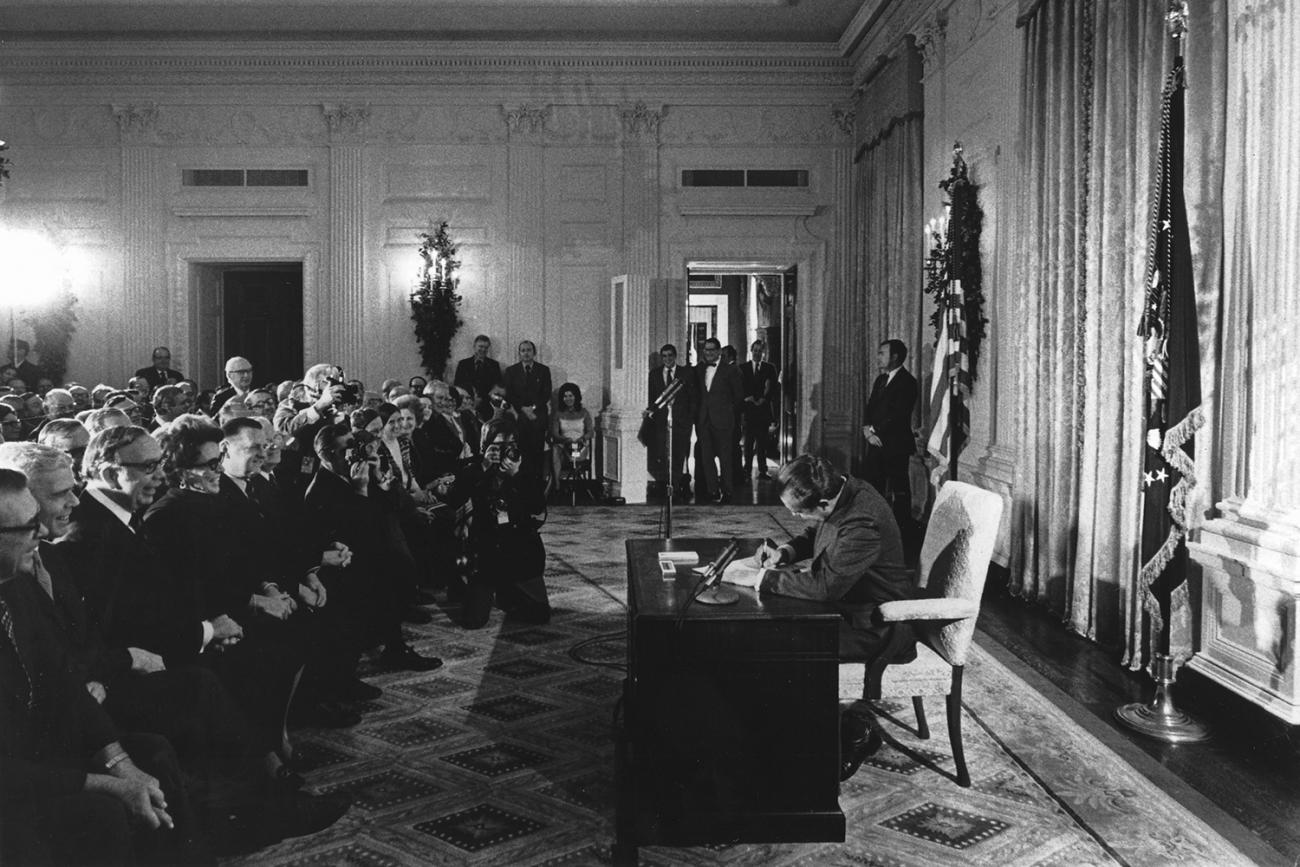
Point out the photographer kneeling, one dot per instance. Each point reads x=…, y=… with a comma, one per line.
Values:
x=509, y=559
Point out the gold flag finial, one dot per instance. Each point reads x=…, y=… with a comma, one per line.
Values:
x=1176, y=18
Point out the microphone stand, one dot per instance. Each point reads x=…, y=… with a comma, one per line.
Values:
x=669, y=398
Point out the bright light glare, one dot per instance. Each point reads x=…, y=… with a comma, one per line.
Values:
x=32, y=269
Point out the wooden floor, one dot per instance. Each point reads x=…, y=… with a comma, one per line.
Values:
x=1250, y=769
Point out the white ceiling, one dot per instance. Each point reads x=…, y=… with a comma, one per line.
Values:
x=825, y=21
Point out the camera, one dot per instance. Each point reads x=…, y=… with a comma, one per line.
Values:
x=359, y=449
x=351, y=395
x=506, y=451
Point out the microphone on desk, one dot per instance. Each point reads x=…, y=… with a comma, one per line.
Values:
x=710, y=592
x=666, y=397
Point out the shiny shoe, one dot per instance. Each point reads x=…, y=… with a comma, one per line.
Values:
x=404, y=658
x=853, y=753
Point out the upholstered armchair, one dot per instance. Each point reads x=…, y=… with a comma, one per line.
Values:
x=954, y=563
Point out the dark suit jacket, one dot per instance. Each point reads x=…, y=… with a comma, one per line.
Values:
x=88, y=654
x=684, y=407
x=44, y=750
x=157, y=378
x=717, y=405
x=857, y=563
x=480, y=380
x=533, y=390
x=759, y=383
x=436, y=447
x=889, y=411
x=128, y=587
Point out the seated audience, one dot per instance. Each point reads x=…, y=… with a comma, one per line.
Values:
x=168, y=403
x=11, y=426
x=68, y=436
x=101, y=419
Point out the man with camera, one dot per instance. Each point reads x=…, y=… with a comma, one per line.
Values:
x=507, y=553
x=326, y=399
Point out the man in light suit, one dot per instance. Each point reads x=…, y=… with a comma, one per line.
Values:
x=661, y=377
x=855, y=554
x=720, y=391
x=528, y=390
x=887, y=428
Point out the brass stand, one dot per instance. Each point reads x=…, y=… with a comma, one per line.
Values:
x=1161, y=719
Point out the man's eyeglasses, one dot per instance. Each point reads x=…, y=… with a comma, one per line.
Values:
x=146, y=467
x=30, y=529
x=241, y=370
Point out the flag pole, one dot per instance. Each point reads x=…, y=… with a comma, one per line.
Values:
x=1166, y=567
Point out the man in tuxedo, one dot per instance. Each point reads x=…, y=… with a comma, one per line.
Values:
x=478, y=371
x=759, y=378
x=160, y=373
x=888, y=428
x=528, y=390
x=661, y=377
x=720, y=392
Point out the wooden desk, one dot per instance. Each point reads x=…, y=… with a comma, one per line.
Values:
x=731, y=720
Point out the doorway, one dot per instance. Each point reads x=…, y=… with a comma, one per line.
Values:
x=739, y=303
x=252, y=309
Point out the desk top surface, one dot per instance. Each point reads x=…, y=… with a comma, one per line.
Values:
x=651, y=595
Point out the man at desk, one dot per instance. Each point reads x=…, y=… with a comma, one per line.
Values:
x=856, y=561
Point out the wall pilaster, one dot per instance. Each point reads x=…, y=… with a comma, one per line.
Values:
x=344, y=324
x=843, y=373
x=146, y=324
x=526, y=228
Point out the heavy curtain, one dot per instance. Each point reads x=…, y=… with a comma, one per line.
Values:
x=887, y=261
x=1090, y=113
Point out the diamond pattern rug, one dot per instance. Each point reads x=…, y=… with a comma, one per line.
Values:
x=504, y=755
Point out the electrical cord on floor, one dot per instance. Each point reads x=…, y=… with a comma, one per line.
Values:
x=575, y=652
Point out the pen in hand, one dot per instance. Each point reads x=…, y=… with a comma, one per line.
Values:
x=768, y=554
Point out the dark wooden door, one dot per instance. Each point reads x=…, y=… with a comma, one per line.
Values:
x=262, y=320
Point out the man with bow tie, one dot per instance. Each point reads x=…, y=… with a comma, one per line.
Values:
x=528, y=390
x=720, y=391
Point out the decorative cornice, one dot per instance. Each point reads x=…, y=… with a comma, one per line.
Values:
x=346, y=122
x=96, y=63
x=136, y=122
x=639, y=120
x=526, y=119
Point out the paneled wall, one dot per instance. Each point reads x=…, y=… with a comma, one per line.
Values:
x=557, y=171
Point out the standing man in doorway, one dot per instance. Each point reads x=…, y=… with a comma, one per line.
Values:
x=759, y=377
x=528, y=390
x=239, y=373
x=888, y=429
x=721, y=391
x=478, y=371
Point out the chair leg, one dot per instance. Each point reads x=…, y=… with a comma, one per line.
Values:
x=954, y=728
x=922, y=727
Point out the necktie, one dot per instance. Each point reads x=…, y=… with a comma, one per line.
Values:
x=7, y=621
x=668, y=378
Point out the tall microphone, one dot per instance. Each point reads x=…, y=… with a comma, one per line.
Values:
x=666, y=397
x=713, y=572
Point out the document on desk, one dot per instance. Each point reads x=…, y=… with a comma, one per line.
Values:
x=747, y=572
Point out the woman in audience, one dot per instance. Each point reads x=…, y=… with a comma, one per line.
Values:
x=571, y=430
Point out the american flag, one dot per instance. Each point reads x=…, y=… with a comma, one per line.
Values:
x=950, y=386
x=1172, y=379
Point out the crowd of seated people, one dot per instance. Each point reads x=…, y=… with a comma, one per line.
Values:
x=210, y=568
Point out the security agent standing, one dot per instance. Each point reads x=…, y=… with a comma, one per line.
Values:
x=888, y=429
x=856, y=554
x=508, y=556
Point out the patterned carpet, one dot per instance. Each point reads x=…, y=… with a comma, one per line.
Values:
x=504, y=755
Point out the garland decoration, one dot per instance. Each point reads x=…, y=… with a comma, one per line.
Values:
x=435, y=304
x=955, y=256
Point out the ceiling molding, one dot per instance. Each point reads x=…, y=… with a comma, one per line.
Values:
x=342, y=63
x=860, y=25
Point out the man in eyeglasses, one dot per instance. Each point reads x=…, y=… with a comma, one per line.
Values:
x=160, y=373
x=239, y=373
x=71, y=786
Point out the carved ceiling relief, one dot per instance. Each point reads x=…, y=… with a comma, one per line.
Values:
x=235, y=125
x=843, y=118
x=346, y=123
x=136, y=124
